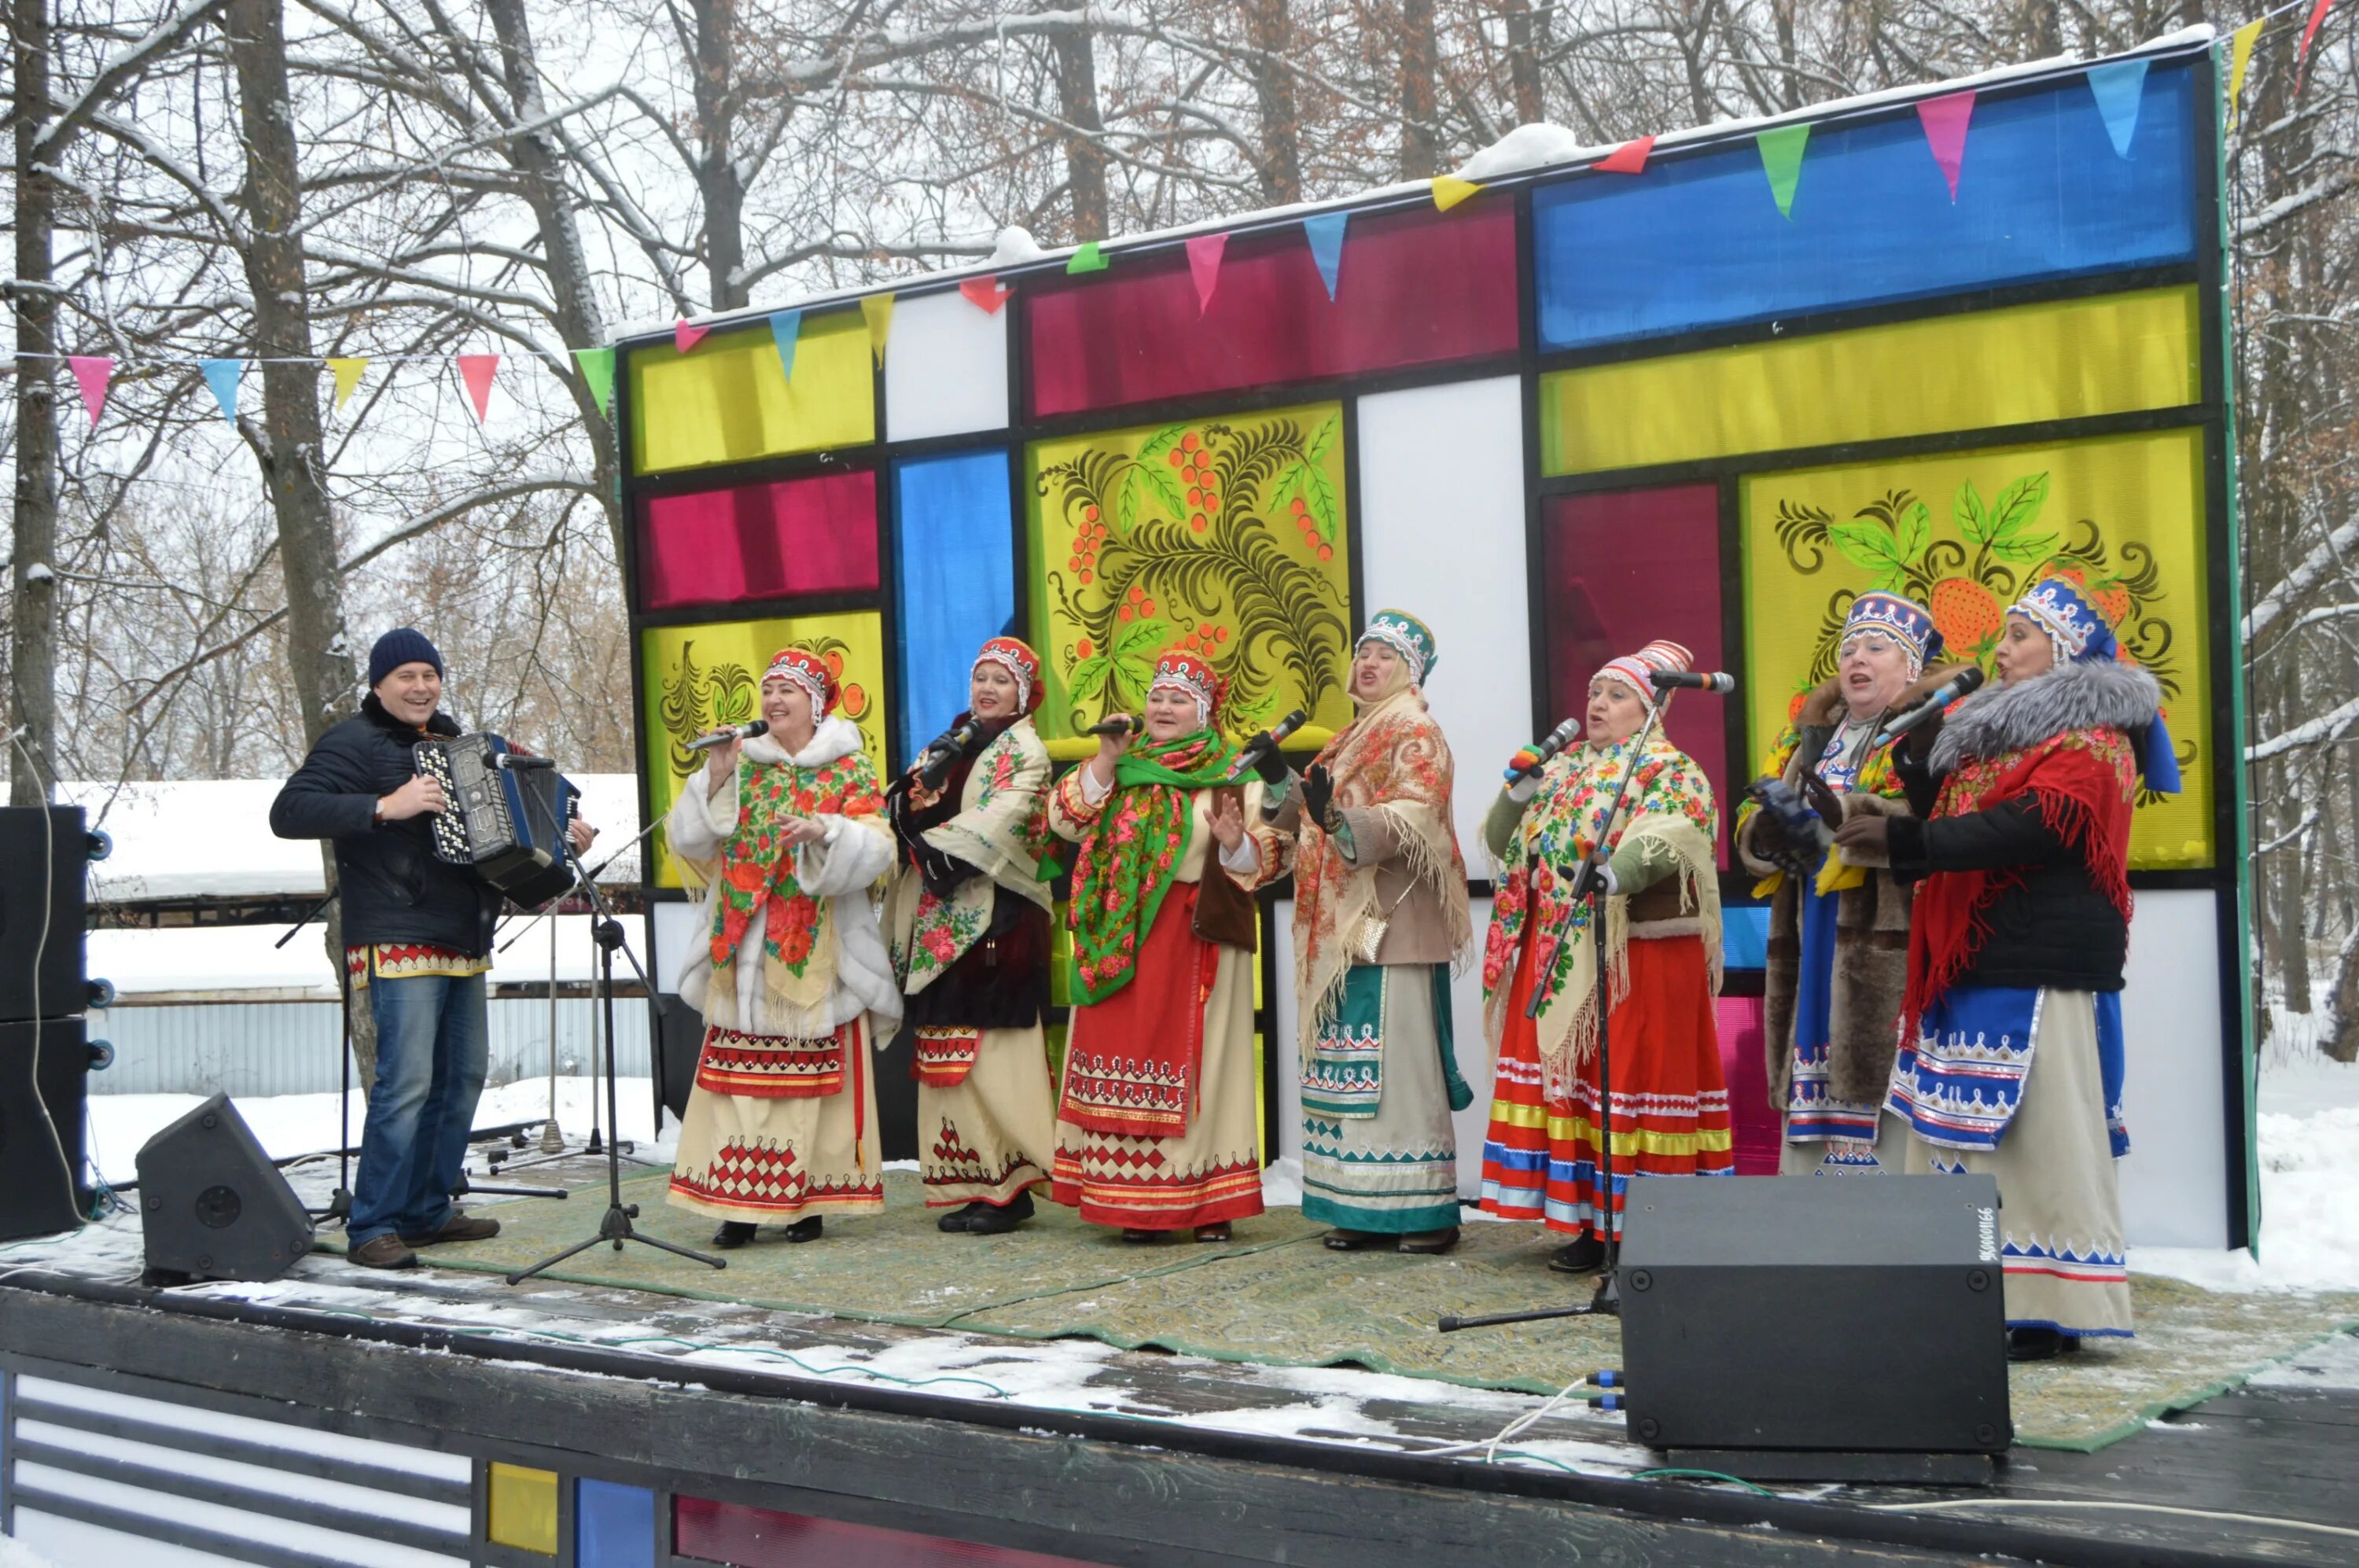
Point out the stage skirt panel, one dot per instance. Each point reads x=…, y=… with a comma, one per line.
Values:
x=779, y=1128
x=990, y=1135
x=1670, y=1102
x=1378, y=1152
x=2059, y=1199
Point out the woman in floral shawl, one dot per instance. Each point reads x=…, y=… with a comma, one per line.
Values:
x=1156, y=1127
x=2011, y=1061
x=969, y=918
x=1661, y=949
x=792, y=976
x=1380, y=917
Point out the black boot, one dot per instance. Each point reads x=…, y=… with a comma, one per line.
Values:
x=1583, y=1256
x=989, y=1221
x=733, y=1234
x=2040, y=1343
x=962, y=1219
x=804, y=1230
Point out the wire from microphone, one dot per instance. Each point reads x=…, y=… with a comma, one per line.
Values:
x=1254, y=752
x=1120, y=724
x=1691, y=681
x=1548, y=745
x=941, y=753
x=1965, y=683
x=734, y=732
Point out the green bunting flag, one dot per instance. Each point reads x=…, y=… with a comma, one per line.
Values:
x=1089, y=258
x=597, y=372
x=1781, y=161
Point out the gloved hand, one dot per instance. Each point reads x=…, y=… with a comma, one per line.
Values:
x=1319, y=797
x=1821, y=798
x=1269, y=761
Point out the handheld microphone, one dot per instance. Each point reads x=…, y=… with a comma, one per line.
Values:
x=1556, y=740
x=734, y=732
x=1254, y=752
x=1691, y=681
x=942, y=752
x=1964, y=683
x=1118, y=725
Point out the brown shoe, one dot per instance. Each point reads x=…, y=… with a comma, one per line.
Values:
x=458, y=1227
x=383, y=1252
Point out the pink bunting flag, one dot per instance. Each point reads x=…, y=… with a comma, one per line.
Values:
x=479, y=369
x=685, y=337
x=91, y=373
x=1204, y=266
x=2301, y=51
x=1944, y=119
x=985, y=294
x=1630, y=158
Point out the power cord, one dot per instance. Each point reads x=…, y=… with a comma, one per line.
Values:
x=40, y=949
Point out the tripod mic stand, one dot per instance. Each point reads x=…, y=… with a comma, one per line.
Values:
x=615, y=1227
x=340, y=1202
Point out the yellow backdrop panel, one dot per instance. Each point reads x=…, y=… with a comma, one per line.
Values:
x=698, y=678
x=726, y=400
x=1227, y=533
x=1965, y=535
x=2069, y=359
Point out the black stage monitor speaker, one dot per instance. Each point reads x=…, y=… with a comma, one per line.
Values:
x=43, y=1184
x=211, y=1205
x=31, y=837
x=1812, y=1317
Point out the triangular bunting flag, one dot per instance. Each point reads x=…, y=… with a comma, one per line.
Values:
x=91, y=373
x=1630, y=158
x=685, y=337
x=2119, y=87
x=597, y=367
x=785, y=327
x=1781, y=161
x=348, y=376
x=2240, y=59
x=985, y=294
x=222, y=375
x=1944, y=119
x=1449, y=191
x=876, y=309
x=2301, y=51
x=1205, y=267
x=478, y=370
x=1089, y=258
x=1325, y=232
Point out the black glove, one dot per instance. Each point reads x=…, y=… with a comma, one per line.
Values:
x=1917, y=745
x=1269, y=761
x=1823, y=801
x=1318, y=796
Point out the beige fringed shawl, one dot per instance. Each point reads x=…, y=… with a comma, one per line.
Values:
x=1001, y=830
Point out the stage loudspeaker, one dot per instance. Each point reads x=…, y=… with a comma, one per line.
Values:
x=43, y=1067
x=29, y=837
x=1817, y=1328
x=212, y=1206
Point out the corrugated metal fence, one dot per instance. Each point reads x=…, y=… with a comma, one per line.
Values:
x=250, y=1049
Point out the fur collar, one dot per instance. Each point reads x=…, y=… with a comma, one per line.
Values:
x=836, y=737
x=2100, y=694
x=1824, y=708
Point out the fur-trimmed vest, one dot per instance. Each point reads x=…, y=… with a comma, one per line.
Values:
x=1871, y=971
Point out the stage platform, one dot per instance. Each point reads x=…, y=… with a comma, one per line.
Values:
x=1048, y=1395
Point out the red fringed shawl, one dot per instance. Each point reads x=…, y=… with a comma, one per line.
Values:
x=2083, y=782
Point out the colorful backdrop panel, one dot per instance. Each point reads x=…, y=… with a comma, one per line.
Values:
x=1228, y=534
x=1417, y=287
x=1623, y=570
x=953, y=551
x=728, y=398
x=945, y=367
x=759, y=542
x=1698, y=240
x=1966, y=534
x=2066, y=359
x=694, y=679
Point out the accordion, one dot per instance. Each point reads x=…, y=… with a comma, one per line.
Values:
x=507, y=816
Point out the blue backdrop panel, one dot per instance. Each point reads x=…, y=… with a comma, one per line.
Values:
x=954, y=559
x=614, y=1525
x=1698, y=242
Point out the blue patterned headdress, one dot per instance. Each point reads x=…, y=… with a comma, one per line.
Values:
x=2081, y=635
x=1407, y=636
x=1905, y=620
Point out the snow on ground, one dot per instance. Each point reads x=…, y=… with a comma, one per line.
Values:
x=15, y=1553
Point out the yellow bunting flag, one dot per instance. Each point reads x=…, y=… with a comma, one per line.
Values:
x=877, y=311
x=2240, y=59
x=1449, y=191
x=348, y=376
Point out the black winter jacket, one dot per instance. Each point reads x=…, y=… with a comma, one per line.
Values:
x=2056, y=927
x=395, y=890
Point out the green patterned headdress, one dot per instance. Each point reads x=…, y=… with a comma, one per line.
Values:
x=1407, y=636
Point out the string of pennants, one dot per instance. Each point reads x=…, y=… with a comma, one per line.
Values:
x=2118, y=87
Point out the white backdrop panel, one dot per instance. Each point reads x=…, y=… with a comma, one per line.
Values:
x=2175, y=1179
x=945, y=368
x=1442, y=535
x=674, y=924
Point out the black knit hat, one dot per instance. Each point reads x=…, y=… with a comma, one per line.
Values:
x=401, y=645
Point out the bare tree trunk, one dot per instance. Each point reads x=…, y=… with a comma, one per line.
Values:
x=1420, y=144
x=1074, y=52
x=33, y=621
x=1270, y=29
x=716, y=174
x=2343, y=1044
x=1523, y=64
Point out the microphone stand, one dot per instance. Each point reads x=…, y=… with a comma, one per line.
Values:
x=1589, y=882
x=340, y=1202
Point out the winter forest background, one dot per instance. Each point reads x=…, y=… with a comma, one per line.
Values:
x=390, y=177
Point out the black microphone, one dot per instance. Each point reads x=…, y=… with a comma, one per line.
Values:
x=1964, y=682
x=1548, y=745
x=734, y=732
x=942, y=752
x=1117, y=725
x=1691, y=681
x=1254, y=751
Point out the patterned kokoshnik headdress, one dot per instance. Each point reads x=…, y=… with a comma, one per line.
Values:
x=1181, y=670
x=1407, y=636
x=1905, y=620
x=2079, y=635
x=808, y=670
x=1012, y=655
x=1634, y=669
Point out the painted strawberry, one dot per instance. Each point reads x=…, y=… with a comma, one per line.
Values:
x=1967, y=615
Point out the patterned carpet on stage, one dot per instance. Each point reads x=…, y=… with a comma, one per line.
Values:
x=1275, y=1295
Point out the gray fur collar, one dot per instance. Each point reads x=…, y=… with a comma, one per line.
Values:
x=2101, y=694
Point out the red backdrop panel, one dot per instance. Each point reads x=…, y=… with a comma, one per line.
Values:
x=745, y=1536
x=1623, y=570
x=759, y=542
x=1756, y=1127
x=1414, y=289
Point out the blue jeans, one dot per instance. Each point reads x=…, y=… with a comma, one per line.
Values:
x=433, y=1045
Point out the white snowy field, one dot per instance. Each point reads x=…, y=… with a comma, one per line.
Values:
x=15, y=1553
